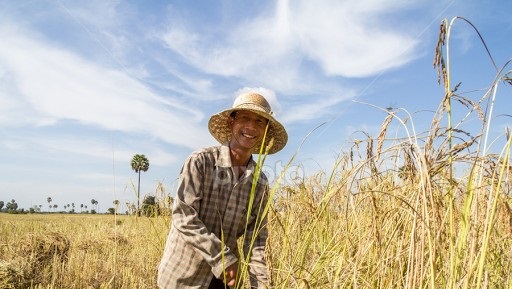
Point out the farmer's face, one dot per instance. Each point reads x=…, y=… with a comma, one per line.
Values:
x=247, y=129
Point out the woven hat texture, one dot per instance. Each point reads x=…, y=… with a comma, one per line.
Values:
x=256, y=103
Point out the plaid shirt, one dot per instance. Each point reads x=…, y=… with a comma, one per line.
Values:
x=209, y=215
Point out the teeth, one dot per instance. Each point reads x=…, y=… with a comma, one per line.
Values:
x=248, y=136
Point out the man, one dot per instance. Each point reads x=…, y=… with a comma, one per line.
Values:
x=215, y=204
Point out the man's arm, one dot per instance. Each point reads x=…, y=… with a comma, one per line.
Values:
x=185, y=218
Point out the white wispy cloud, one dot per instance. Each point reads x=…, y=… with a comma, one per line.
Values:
x=59, y=85
x=346, y=38
x=317, y=108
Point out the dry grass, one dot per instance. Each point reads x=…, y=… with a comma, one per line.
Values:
x=425, y=210
x=387, y=232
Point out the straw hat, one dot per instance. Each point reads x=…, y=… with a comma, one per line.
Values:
x=256, y=103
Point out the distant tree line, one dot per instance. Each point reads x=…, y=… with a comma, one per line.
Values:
x=12, y=207
x=150, y=205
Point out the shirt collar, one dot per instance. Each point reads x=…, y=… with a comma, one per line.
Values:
x=224, y=159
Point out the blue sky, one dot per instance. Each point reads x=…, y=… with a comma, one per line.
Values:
x=85, y=85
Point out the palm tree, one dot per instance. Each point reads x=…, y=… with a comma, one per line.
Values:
x=116, y=205
x=49, y=200
x=94, y=202
x=139, y=163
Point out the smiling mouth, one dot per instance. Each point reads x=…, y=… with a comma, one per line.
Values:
x=248, y=136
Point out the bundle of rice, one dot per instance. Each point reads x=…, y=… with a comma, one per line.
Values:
x=43, y=248
x=12, y=274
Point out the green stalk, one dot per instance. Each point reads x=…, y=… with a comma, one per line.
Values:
x=450, y=195
x=243, y=266
x=492, y=207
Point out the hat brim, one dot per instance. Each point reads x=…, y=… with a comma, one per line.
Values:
x=218, y=126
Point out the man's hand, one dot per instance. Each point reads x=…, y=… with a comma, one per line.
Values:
x=230, y=275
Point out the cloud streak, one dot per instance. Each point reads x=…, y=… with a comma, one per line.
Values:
x=57, y=86
x=346, y=39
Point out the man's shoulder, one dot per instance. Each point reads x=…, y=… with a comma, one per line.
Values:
x=207, y=154
x=207, y=151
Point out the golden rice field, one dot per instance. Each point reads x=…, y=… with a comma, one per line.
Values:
x=429, y=209
x=387, y=236
x=79, y=251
